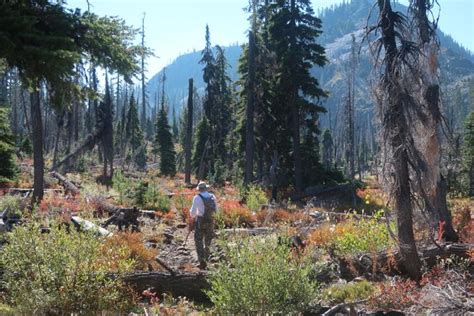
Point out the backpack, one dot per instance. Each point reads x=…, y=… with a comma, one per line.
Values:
x=210, y=207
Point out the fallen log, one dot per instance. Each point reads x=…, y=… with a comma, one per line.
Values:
x=69, y=187
x=89, y=143
x=370, y=265
x=190, y=285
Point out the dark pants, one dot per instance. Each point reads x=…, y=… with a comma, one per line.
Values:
x=203, y=234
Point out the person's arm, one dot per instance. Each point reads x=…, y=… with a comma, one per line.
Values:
x=193, y=210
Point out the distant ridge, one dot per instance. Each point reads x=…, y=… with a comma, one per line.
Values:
x=339, y=22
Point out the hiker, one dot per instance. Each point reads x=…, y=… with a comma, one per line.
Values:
x=202, y=213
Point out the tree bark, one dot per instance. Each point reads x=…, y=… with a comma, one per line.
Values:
x=69, y=187
x=249, y=112
x=189, y=134
x=428, y=126
x=395, y=129
x=37, y=140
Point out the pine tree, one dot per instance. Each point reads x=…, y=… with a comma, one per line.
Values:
x=200, y=160
x=165, y=145
x=134, y=134
x=327, y=149
x=468, y=151
x=313, y=171
x=175, y=126
x=8, y=169
x=293, y=32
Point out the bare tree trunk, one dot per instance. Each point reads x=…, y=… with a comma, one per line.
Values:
x=429, y=126
x=189, y=134
x=395, y=130
x=249, y=112
x=58, y=136
x=143, y=115
x=37, y=140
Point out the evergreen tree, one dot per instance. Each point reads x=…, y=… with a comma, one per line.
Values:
x=201, y=145
x=8, y=167
x=257, y=82
x=293, y=29
x=313, y=171
x=327, y=149
x=209, y=75
x=165, y=145
x=45, y=41
x=175, y=126
x=133, y=131
x=469, y=151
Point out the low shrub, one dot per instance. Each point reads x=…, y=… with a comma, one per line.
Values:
x=62, y=272
x=363, y=235
x=149, y=196
x=349, y=293
x=182, y=203
x=121, y=184
x=232, y=214
x=398, y=295
x=261, y=277
x=133, y=247
x=255, y=198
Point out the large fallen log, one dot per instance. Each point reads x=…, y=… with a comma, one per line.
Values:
x=88, y=144
x=190, y=285
x=369, y=265
x=69, y=187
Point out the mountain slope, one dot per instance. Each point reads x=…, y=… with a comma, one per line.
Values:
x=339, y=22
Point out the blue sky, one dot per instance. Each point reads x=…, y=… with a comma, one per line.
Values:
x=174, y=27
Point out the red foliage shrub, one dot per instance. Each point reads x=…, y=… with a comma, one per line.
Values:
x=281, y=216
x=56, y=204
x=399, y=295
x=235, y=214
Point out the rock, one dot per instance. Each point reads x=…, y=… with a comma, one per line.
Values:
x=181, y=225
x=317, y=215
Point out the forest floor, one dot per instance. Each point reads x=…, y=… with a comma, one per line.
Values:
x=336, y=235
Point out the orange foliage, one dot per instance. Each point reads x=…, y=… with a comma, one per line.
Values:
x=463, y=219
x=135, y=249
x=236, y=214
x=325, y=234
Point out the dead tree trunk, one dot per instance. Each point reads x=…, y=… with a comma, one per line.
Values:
x=69, y=187
x=249, y=112
x=189, y=134
x=88, y=144
x=395, y=131
x=428, y=125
